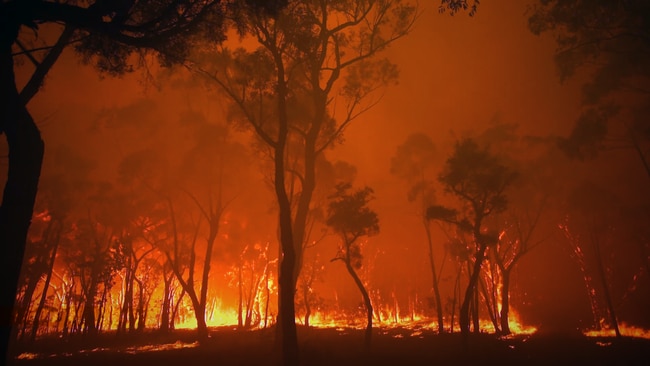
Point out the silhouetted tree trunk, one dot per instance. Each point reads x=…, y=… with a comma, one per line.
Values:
x=366, y=301
x=240, y=304
x=471, y=289
x=603, y=279
x=46, y=286
x=287, y=313
x=24, y=168
x=126, y=310
x=434, y=275
x=165, y=314
x=490, y=302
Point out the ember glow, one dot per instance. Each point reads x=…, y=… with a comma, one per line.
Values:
x=626, y=330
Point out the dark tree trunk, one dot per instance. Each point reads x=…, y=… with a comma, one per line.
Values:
x=305, y=299
x=127, y=305
x=603, y=279
x=24, y=168
x=22, y=307
x=434, y=274
x=89, y=307
x=366, y=301
x=286, y=281
x=470, y=291
x=46, y=286
x=240, y=305
x=475, y=311
x=68, y=305
x=490, y=304
x=268, y=296
x=167, y=297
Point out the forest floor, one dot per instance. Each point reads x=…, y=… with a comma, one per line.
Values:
x=334, y=346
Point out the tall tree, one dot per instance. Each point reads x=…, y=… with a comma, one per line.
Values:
x=479, y=179
x=589, y=232
x=413, y=162
x=315, y=55
x=134, y=25
x=610, y=41
x=351, y=218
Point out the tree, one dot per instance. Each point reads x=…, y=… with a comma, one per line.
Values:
x=315, y=55
x=115, y=30
x=412, y=161
x=611, y=41
x=307, y=297
x=594, y=224
x=479, y=180
x=350, y=217
x=55, y=199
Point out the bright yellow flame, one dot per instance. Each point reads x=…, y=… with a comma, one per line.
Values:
x=516, y=326
x=625, y=329
x=219, y=318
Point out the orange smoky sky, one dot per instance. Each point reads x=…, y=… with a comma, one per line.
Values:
x=457, y=76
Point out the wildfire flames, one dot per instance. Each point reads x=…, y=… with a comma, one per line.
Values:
x=625, y=329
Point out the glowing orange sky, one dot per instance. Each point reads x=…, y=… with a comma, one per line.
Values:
x=456, y=74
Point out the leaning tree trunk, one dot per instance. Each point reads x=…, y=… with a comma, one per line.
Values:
x=366, y=300
x=24, y=168
x=46, y=286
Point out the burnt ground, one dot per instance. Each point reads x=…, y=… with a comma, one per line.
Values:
x=395, y=346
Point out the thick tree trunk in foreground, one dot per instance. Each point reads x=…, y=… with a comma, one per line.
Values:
x=25, y=158
x=286, y=281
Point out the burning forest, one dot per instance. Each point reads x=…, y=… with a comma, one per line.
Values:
x=316, y=182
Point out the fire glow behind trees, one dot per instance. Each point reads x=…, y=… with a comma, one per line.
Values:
x=157, y=208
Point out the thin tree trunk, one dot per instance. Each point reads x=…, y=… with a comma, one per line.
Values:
x=366, y=300
x=268, y=297
x=603, y=279
x=41, y=304
x=434, y=274
x=470, y=291
x=240, y=306
x=164, y=312
x=490, y=304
